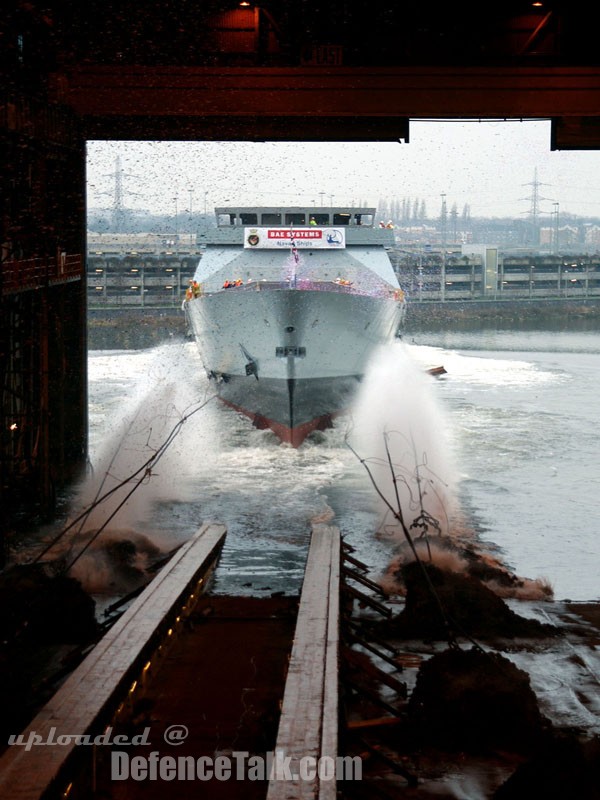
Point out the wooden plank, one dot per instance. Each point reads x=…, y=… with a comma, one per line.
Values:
x=308, y=726
x=102, y=680
x=329, y=737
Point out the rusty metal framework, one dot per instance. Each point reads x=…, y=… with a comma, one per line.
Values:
x=20, y=375
x=42, y=392
x=43, y=413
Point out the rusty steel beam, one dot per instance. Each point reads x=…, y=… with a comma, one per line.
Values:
x=242, y=103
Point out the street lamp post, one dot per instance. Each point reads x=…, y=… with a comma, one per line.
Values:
x=443, y=238
x=560, y=280
x=531, y=279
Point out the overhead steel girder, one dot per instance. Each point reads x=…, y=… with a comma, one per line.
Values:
x=347, y=91
x=125, y=102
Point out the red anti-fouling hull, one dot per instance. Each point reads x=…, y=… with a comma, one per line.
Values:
x=292, y=409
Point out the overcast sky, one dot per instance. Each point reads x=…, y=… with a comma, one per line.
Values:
x=489, y=166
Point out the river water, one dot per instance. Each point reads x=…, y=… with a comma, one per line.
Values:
x=504, y=448
x=524, y=410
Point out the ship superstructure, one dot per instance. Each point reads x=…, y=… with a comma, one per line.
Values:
x=289, y=306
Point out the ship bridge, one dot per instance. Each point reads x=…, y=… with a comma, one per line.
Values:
x=295, y=216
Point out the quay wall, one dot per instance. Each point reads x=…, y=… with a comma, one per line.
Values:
x=505, y=312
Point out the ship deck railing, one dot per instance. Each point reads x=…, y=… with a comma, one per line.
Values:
x=303, y=285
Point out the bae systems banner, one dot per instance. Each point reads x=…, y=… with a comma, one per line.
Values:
x=300, y=238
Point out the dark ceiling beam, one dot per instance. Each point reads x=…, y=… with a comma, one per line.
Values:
x=295, y=91
x=575, y=133
x=249, y=128
x=293, y=103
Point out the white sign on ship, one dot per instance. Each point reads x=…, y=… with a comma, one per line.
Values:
x=300, y=238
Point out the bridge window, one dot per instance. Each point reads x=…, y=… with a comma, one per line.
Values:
x=320, y=219
x=226, y=219
x=249, y=219
x=271, y=219
x=295, y=219
x=341, y=219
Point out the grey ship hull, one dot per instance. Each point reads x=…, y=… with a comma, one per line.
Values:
x=290, y=359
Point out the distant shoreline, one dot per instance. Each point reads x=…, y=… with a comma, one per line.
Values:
x=506, y=311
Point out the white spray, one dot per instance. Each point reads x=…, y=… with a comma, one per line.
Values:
x=400, y=434
x=402, y=438
x=137, y=463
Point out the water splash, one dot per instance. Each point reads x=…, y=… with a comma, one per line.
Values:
x=137, y=463
x=401, y=435
x=219, y=467
x=163, y=399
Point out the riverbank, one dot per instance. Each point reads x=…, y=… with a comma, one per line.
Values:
x=141, y=327
x=133, y=328
x=549, y=311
